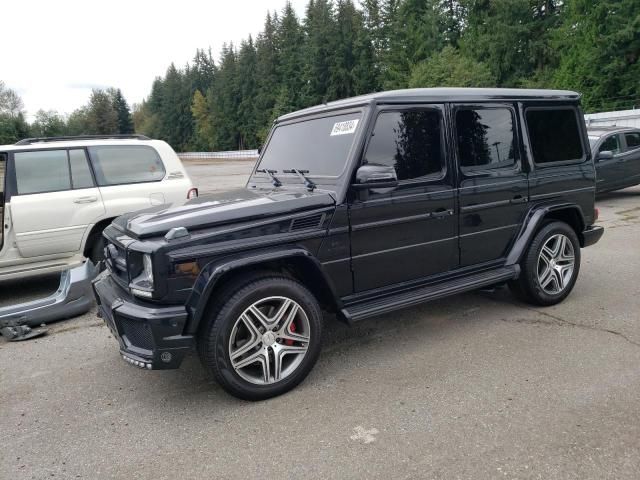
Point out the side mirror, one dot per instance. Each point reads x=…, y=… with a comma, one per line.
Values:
x=376, y=176
x=605, y=155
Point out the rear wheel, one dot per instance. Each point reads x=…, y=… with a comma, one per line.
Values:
x=263, y=339
x=550, y=267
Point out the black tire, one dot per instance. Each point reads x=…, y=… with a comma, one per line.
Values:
x=215, y=334
x=528, y=287
x=96, y=249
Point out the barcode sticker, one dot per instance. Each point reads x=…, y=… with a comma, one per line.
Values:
x=344, y=128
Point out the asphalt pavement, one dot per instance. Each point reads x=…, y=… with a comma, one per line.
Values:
x=478, y=386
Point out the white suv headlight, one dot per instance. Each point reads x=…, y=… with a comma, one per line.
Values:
x=142, y=285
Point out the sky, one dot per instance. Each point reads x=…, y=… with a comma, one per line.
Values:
x=54, y=52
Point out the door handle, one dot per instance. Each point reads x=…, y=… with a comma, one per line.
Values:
x=518, y=199
x=441, y=213
x=85, y=200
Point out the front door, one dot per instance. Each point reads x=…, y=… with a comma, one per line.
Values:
x=610, y=171
x=54, y=201
x=493, y=187
x=409, y=232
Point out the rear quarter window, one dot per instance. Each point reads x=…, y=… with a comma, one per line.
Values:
x=554, y=134
x=123, y=164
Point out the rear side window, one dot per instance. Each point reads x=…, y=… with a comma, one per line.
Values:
x=42, y=171
x=409, y=141
x=633, y=140
x=117, y=165
x=486, y=138
x=554, y=135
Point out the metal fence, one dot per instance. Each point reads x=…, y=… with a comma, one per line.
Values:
x=231, y=155
x=622, y=118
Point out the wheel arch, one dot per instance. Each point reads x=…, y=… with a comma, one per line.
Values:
x=298, y=263
x=97, y=227
x=569, y=213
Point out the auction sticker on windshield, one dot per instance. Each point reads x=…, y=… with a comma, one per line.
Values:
x=344, y=128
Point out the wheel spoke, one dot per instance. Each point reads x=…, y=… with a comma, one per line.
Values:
x=261, y=317
x=559, y=279
x=277, y=318
x=279, y=352
x=557, y=246
x=250, y=344
x=546, y=254
x=258, y=356
x=546, y=277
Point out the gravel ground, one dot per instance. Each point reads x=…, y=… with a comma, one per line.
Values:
x=476, y=386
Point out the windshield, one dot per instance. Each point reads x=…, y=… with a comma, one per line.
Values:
x=320, y=146
x=593, y=140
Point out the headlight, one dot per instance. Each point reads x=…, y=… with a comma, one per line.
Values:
x=142, y=285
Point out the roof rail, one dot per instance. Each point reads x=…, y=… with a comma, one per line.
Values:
x=29, y=141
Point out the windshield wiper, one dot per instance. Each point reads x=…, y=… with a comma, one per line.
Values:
x=274, y=179
x=307, y=183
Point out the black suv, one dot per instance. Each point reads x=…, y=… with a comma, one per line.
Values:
x=357, y=207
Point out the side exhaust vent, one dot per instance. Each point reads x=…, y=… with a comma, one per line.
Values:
x=305, y=223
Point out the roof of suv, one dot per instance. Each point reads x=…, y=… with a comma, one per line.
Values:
x=62, y=142
x=600, y=130
x=414, y=95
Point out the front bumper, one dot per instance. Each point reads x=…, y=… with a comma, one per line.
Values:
x=150, y=336
x=591, y=235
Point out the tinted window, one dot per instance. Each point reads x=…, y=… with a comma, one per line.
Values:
x=554, y=135
x=3, y=162
x=633, y=140
x=485, y=138
x=611, y=144
x=321, y=145
x=42, y=171
x=80, y=173
x=409, y=141
x=115, y=164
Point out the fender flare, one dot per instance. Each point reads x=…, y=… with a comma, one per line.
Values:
x=532, y=222
x=211, y=274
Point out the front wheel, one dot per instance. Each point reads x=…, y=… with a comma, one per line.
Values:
x=264, y=339
x=550, y=267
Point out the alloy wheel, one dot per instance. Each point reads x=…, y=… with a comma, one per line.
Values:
x=556, y=263
x=269, y=340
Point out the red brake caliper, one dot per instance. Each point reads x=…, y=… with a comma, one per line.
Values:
x=292, y=329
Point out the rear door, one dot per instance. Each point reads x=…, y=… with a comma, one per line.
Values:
x=3, y=169
x=632, y=157
x=54, y=201
x=493, y=186
x=129, y=177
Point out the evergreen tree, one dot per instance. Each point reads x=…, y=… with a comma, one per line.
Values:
x=125, y=122
x=599, y=48
x=320, y=45
x=101, y=116
x=290, y=45
x=267, y=65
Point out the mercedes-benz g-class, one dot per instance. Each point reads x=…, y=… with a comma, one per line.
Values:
x=357, y=207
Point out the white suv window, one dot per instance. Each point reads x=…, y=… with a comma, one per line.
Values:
x=116, y=165
x=42, y=171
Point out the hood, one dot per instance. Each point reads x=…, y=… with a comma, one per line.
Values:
x=218, y=209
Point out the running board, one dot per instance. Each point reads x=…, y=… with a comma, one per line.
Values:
x=408, y=298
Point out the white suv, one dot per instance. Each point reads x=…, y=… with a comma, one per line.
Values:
x=58, y=194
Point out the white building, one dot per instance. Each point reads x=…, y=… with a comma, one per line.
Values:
x=622, y=118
